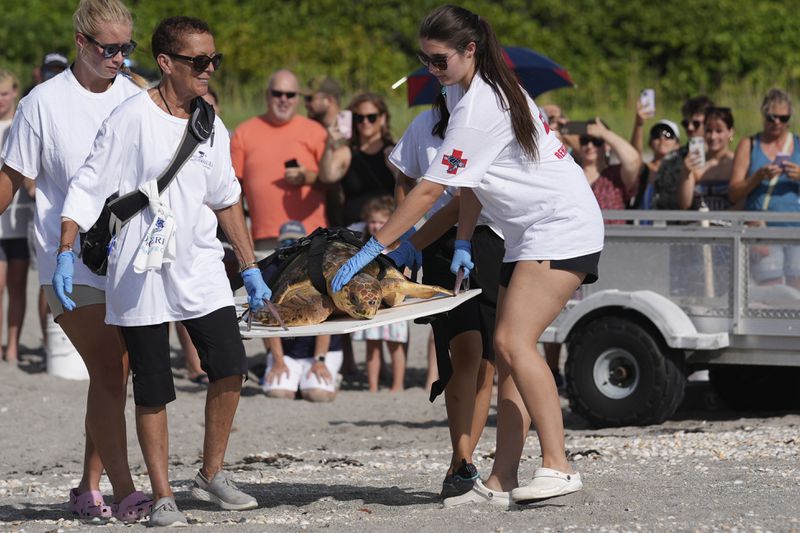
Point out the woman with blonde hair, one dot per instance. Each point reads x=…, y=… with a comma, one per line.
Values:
x=51, y=135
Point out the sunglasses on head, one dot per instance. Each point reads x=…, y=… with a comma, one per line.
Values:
x=200, y=62
x=586, y=139
x=110, y=50
x=662, y=133
x=372, y=117
x=280, y=94
x=694, y=123
x=439, y=62
x=771, y=117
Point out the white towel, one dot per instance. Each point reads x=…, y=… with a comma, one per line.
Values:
x=158, y=245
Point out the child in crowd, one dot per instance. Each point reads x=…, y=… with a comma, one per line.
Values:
x=375, y=214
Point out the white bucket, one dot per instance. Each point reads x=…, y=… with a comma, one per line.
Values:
x=63, y=360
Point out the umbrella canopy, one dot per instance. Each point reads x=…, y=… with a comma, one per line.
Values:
x=537, y=73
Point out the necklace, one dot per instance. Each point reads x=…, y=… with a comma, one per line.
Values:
x=164, y=99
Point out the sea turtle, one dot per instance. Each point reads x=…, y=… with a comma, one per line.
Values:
x=300, y=304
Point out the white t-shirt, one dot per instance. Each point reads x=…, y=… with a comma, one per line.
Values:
x=545, y=208
x=17, y=218
x=414, y=153
x=134, y=145
x=53, y=131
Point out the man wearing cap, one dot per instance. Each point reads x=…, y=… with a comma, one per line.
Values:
x=276, y=157
x=52, y=63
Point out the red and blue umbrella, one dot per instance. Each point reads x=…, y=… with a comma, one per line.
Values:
x=536, y=72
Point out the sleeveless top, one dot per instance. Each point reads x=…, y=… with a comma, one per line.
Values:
x=785, y=195
x=368, y=177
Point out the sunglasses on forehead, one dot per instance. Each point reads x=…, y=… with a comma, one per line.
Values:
x=111, y=50
x=771, y=117
x=200, y=62
x=586, y=139
x=280, y=94
x=439, y=62
x=371, y=117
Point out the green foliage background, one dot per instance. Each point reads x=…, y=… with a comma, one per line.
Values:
x=731, y=49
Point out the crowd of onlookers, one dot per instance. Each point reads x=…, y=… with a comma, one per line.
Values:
x=328, y=167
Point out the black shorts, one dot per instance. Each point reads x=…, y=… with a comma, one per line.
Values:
x=476, y=314
x=584, y=263
x=218, y=342
x=11, y=249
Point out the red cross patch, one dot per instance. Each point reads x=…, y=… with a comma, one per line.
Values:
x=454, y=161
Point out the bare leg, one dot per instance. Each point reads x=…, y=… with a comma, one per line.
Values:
x=552, y=353
x=397, y=350
x=483, y=399
x=17, y=283
x=221, y=403
x=102, y=350
x=513, y=424
x=153, y=433
x=465, y=350
x=3, y=284
x=44, y=310
x=519, y=325
x=191, y=359
x=433, y=370
x=374, y=351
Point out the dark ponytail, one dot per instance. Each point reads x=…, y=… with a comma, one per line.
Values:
x=458, y=27
x=440, y=106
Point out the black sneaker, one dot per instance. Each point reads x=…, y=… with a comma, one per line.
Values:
x=461, y=481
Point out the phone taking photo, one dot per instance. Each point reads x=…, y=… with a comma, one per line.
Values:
x=344, y=122
x=574, y=127
x=697, y=149
x=782, y=159
x=291, y=163
x=647, y=101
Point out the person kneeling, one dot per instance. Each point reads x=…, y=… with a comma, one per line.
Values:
x=307, y=364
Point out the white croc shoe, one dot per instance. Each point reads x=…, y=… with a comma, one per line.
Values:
x=547, y=483
x=481, y=494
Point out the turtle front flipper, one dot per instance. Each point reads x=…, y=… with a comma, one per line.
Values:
x=299, y=306
x=394, y=290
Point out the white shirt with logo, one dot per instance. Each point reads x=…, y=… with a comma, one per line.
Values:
x=545, y=208
x=414, y=152
x=52, y=133
x=134, y=146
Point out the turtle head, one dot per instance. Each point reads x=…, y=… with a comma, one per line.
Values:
x=360, y=298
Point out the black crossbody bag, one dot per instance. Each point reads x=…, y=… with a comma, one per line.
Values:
x=118, y=210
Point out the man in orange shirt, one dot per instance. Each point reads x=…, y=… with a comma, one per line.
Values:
x=276, y=158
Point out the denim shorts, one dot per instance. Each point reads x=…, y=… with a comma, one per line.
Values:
x=780, y=261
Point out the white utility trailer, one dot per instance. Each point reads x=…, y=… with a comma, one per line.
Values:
x=676, y=294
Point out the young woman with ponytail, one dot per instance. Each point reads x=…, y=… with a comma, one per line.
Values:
x=506, y=160
x=50, y=137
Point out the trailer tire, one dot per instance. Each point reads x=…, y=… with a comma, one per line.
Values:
x=619, y=373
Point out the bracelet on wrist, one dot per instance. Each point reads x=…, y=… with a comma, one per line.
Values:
x=251, y=264
x=64, y=248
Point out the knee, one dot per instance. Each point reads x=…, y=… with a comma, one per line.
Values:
x=318, y=395
x=280, y=394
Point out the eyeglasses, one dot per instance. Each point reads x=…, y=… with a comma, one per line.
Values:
x=438, y=62
x=695, y=123
x=372, y=117
x=200, y=62
x=662, y=133
x=280, y=94
x=111, y=50
x=774, y=118
x=586, y=139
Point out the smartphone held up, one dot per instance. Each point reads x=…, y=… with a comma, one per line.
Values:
x=344, y=123
x=697, y=150
x=647, y=102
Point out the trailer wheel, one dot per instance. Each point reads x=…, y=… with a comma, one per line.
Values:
x=618, y=374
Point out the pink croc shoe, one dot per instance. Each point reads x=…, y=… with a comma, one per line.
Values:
x=89, y=505
x=132, y=508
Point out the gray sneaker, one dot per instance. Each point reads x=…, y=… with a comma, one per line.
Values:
x=223, y=492
x=165, y=513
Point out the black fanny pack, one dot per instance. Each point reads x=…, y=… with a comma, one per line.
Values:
x=117, y=210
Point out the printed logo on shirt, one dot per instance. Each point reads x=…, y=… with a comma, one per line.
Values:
x=203, y=159
x=454, y=161
x=561, y=153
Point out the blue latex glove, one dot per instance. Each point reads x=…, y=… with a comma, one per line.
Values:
x=62, y=279
x=257, y=290
x=462, y=258
x=406, y=255
x=354, y=265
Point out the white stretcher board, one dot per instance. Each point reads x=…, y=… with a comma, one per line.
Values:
x=408, y=310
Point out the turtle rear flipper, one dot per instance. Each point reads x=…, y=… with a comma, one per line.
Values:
x=301, y=305
x=395, y=290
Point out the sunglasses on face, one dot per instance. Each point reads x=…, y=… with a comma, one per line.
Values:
x=585, y=139
x=372, y=117
x=776, y=118
x=438, y=62
x=111, y=50
x=200, y=63
x=662, y=133
x=280, y=94
x=694, y=123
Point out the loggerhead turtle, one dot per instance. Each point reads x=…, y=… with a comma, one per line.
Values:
x=300, y=304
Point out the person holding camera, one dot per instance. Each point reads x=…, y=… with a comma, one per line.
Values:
x=51, y=135
x=165, y=263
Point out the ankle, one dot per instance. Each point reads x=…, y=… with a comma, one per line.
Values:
x=499, y=484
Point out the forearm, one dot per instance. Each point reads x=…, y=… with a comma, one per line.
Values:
x=10, y=181
x=436, y=226
x=686, y=190
x=402, y=185
x=637, y=138
x=69, y=232
x=276, y=349
x=333, y=164
x=469, y=209
x=419, y=201
x=629, y=158
x=321, y=344
x=231, y=220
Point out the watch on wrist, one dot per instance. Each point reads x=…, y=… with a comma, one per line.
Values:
x=319, y=358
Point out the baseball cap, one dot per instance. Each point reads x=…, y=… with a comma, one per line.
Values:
x=664, y=123
x=323, y=84
x=53, y=63
x=291, y=231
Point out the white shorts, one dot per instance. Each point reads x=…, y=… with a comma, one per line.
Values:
x=299, y=378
